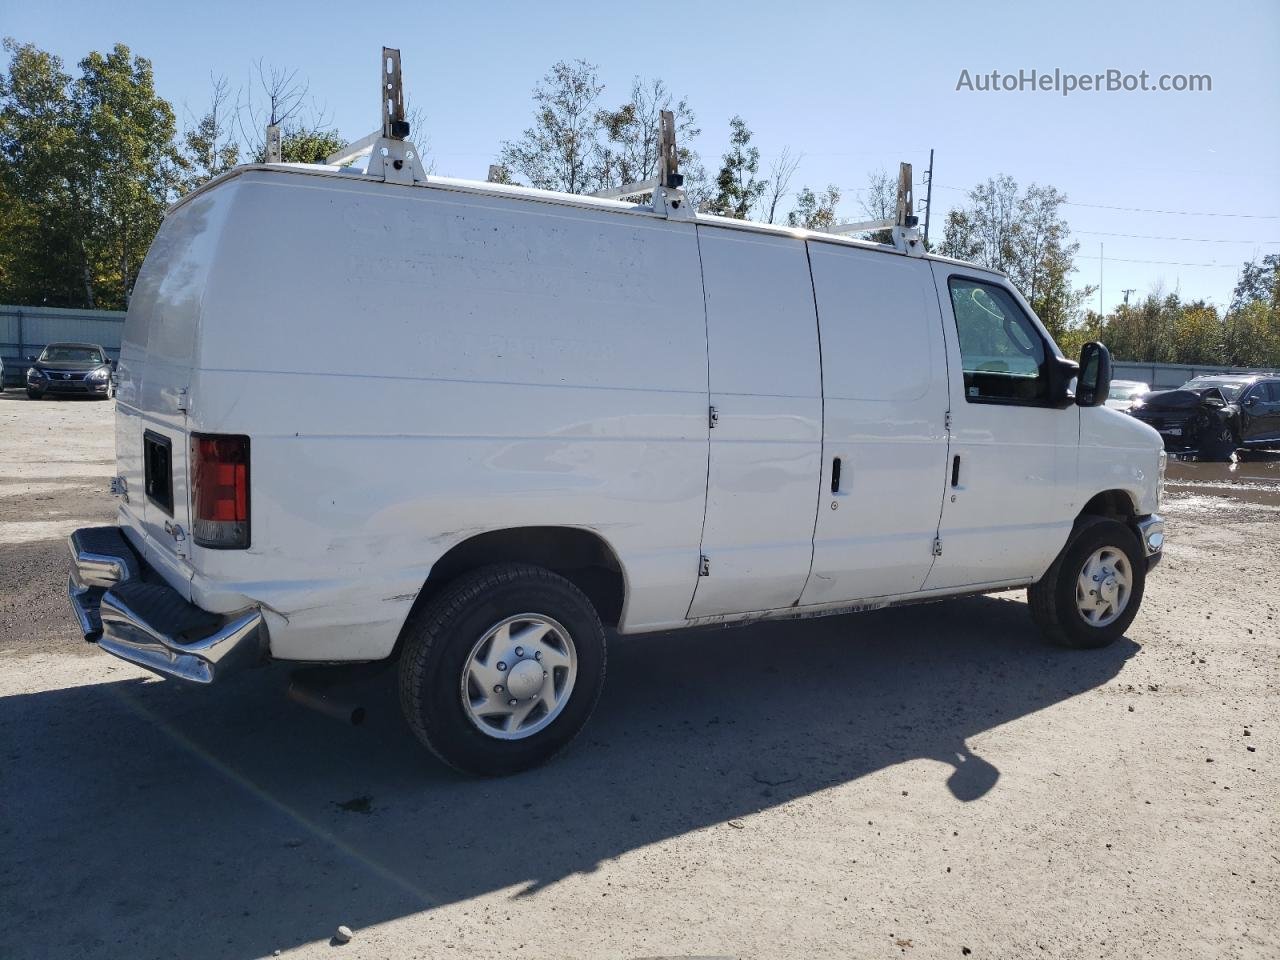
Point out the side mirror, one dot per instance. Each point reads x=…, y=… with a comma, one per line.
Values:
x=1251, y=401
x=1062, y=376
x=1095, y=375
x=31, y=358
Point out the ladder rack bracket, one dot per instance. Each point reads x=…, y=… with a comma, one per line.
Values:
x=392, y=157
x=667, y=188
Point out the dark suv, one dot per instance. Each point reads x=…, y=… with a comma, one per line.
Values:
x=1214, y=416
x=65, y=369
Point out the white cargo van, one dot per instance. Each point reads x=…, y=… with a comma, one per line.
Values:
x=475, y=427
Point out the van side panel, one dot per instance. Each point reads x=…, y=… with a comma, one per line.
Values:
x=157, y=353
x=415, y=366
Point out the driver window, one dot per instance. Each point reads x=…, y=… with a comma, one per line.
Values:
x=1001, y=350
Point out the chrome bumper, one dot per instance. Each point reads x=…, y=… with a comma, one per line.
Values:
x=146, y=622
x=1151, y=534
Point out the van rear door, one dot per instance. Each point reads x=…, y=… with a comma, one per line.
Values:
x=157, y=357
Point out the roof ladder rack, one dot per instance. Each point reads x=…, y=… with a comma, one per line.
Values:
x=905, y=226
x=275, y=146
x=667, y=188
x=391, y=156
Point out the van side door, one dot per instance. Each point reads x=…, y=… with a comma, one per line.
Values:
x=1011, y=485
x=765, y=397
x=884, y=385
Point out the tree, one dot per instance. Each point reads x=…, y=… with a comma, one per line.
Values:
x=90, y=165
x=134, y=164
x=880, y=202
x=43, y=257
x=561, y=150
x=781, y=171
x=1251, y=336
x=737, y=187
x=208, y=149
x=1025, y=236
x=815, y=211
x=274, y=96
x=304, y=145
x=1259, y=281
x=628, y=152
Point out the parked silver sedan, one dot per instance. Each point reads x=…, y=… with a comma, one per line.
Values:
x=1124, y=392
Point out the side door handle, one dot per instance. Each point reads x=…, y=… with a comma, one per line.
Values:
x=835, y=475
x=955, y=470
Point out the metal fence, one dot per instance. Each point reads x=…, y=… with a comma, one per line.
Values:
x=24, y=331
x=1166, y=376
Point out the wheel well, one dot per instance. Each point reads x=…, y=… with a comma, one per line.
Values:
x=1115, y=504
x=580, y=556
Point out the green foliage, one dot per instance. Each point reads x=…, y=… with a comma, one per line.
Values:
x=575, y=145
x=89, y=166
x=1259, y=282
x=302, y=145
x=42, y=258
x=628, y=151
x=738, y=189
x=208, y=149
x=1163, y=329
x=134, y=166
x=1024, y=235
x=560, y=151
x=815, y=211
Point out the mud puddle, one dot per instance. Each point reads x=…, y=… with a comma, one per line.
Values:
x=1250, y=478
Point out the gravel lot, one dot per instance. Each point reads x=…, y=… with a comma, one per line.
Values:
x=923, y=782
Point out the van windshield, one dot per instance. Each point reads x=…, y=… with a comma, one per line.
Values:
x=66, y=353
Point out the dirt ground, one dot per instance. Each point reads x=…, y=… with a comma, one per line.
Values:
x=931, y=781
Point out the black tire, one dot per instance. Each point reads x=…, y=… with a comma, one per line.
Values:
x=1221, y=444
x=1053, y=599
x=34, y=394
x=439, y=637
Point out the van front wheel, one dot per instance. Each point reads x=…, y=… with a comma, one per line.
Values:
x=1091, y=594
x=502, y=669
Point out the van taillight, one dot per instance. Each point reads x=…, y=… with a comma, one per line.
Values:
x=220, y=491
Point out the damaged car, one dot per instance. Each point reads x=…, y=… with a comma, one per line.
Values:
x=1214, y=416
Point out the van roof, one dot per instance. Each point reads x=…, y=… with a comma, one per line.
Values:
x=514, y=191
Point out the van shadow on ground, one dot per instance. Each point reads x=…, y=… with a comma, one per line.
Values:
x=135, y=812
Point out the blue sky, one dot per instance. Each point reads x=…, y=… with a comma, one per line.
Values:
x=822, y=78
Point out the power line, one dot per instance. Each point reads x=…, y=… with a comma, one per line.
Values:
x=1164, y=263
x=1183, y=213
x=1145, y=236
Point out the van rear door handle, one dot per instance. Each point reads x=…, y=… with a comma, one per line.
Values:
x=835, y=475
x=955, y=470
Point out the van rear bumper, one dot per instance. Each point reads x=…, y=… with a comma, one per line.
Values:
x=131, y=613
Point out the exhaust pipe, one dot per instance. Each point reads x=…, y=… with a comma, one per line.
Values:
x=314, y=687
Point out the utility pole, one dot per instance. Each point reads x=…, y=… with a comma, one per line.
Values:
x=1126, y=291
x=1100, y=262
x=928, y=198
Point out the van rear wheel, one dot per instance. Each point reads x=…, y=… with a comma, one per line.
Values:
x=502, y=669
x=1092, y=592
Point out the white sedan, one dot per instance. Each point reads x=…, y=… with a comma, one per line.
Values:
x=1124, y=392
